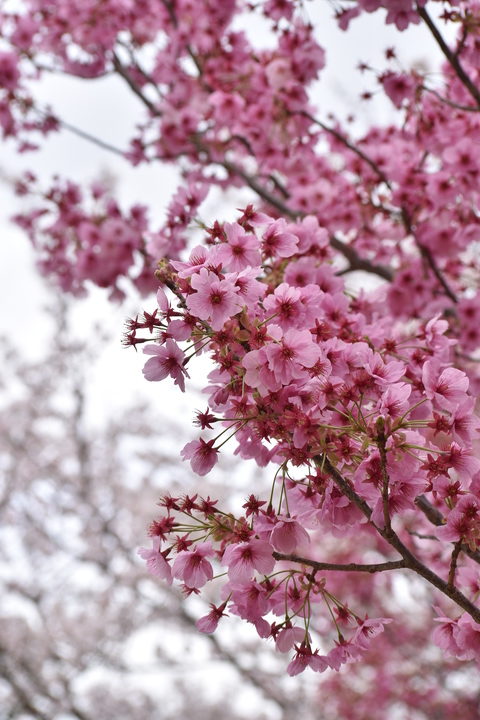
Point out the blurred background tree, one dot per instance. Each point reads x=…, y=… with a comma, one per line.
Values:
x=85, y=632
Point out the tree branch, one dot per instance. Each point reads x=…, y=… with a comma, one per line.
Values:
x=359, y=263
x=453, y=563
x=347, y=567
x=91, y=138
x=133, y=86
x=450, y=103
x=436, y=518
x=428, y=257
x=354, y=148
x=411, y=561
x=451, y=57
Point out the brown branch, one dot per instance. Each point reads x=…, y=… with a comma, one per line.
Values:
x=431, y=512
x=347, y=567
x=411, y=561
x=91, y=138
x=359, y=263
x=354, y=148
x=428, y=257
x=382, y=449
x=453, y=563
x=450, y=103
x=436, y=518
x=148, y=78
x=133, y=86
x=451, y=56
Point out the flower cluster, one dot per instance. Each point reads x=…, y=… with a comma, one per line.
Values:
x=362, y=403
x=83, y=236
x=256, y=585
x=359, y=418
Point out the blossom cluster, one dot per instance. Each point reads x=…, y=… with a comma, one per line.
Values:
x=361, y=403
x=398, y=202
x=82, y=235
x=306, y=378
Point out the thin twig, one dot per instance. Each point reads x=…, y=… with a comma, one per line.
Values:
x=450, y=103
x=354, y=148
x=382, y=449
x=428, y=257
x=91, y=138
x=133, y=86
x=451, y=56
x=347, y=567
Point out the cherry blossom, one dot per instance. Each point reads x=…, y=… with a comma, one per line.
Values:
x=360, y=405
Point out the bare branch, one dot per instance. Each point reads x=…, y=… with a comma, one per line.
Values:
x=451, y=56
x=347, y=567
x=354, y=148
x=450, y=103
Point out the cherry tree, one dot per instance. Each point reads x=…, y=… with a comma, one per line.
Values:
x=359, y=401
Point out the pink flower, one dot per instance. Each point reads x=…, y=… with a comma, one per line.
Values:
x=192, y=568
x=250, y=601
x=168, y=360
x=202, y=455
x=208, y=623
x=291, y=354
x=462, y=461
x=197, y=260
x=394, y=401
x=467, y=637
x=277, y=241
x=9, y=72
x=447, y=388
x=465, y=421
x=460, y=638
x=240, y=251
x=444, y=636
x=389, y=372
x=288, y=636
x=463, y=521
x=215, y=300
x=284, y=303
x=258, y=375
x=262, y=627
x=243, y=559
x=369, y=629
x=226, y=106
x=398, y=87
x=304, y=657
x=343, y=652
x=156, y=562
x=249, y=289
x=288, y=535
